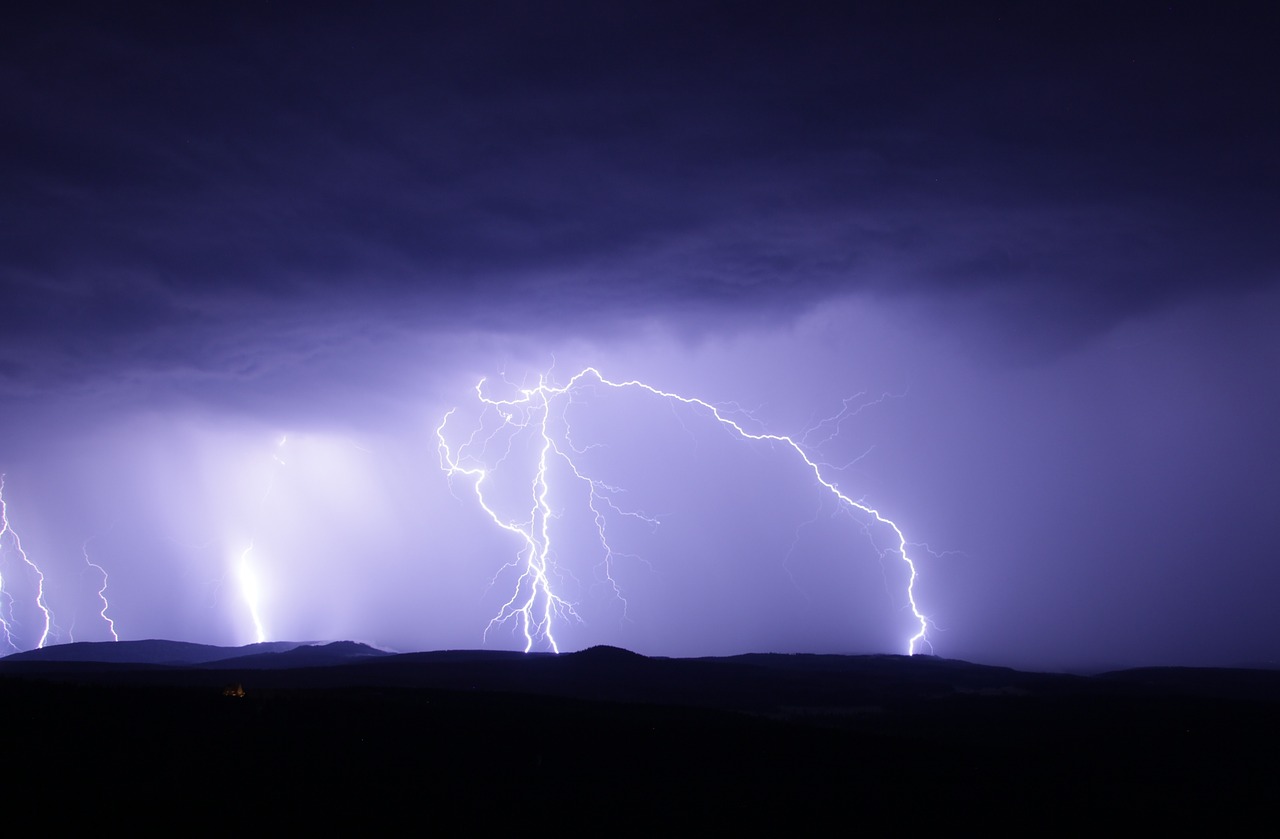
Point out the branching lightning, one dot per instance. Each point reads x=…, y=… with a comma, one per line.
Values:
x=535, y=605
x=7, y=619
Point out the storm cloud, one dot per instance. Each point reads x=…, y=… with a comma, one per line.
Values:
x=1048, y=233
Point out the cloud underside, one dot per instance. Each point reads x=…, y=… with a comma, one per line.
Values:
x=176, y=178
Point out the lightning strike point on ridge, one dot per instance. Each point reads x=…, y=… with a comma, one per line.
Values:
x=535, y=606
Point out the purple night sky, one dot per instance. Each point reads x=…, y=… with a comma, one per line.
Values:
x=1041, y=243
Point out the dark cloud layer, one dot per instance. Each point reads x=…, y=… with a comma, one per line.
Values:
x=450, y=159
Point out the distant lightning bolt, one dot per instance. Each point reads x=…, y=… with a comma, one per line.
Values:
x=246, y=575
x=535, y=605
x=6, y=608
x=102, y=592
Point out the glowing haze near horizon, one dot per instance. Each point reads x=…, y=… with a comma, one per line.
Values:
x=252, y=257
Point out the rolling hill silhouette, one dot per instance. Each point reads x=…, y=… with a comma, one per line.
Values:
x=304, y=733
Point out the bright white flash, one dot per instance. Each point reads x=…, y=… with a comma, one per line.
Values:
x=535, y=606
x=246, y=573
x=251, y=593
x=7, y=621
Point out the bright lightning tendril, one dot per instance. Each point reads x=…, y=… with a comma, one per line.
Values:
x=246, y=575
x=102, y=592
x=249, y=591
x=535, y=606
x=6, y=599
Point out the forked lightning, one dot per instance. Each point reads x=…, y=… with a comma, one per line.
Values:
x=535, y=605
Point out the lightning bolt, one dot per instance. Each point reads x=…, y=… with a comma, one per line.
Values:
x=6, y=607
x=250, y=592
x=102, y=592
x=246, y=575
x=534, y=605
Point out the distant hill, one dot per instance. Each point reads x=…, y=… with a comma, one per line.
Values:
x=755, y=682
x=303, y=655
x=154, y=651
x=761, y=682
x=179, y=728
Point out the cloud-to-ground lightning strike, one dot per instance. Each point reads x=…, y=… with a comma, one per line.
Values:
x=246, y=575
x=249, y=591
x=6, y=599
x=535, y=605
x=102, y=592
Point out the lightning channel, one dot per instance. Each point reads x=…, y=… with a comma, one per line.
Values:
x=246, y=572
x=102, y=592
x=7, y=619
x=535, y=605
x=250, y=591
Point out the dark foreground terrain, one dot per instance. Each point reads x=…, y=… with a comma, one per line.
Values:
x=604, y=741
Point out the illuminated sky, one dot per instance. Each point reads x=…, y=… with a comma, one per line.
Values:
x=1048, y=236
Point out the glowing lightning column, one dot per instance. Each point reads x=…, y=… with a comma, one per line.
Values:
x=102, y=592
x=5, y=627
x=517, y=413
x=250, y=589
